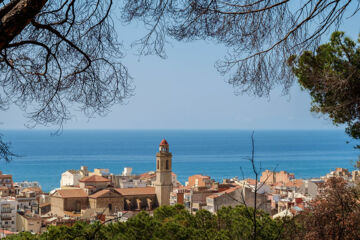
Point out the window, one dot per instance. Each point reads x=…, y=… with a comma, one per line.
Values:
x=110, y=206
x=167, y=164
x=157, y=164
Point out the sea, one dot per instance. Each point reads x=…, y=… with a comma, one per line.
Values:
x=221, y=154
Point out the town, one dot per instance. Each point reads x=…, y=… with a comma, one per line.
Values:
x=106, y=197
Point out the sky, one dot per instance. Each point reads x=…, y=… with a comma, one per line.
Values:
x=185, y=91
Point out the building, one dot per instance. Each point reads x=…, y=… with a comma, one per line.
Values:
x=26, y=184
x=6, y=185
x=27, y=222
x=72, y=177
x=108, y=201
x=94, y=183
x=237, y=196
x=199, y=180
x=272, y=177
x=8, y=209
x=65, y=201
x=163, y=183
x=139, y=198
x=104, y=172
x=27, y=200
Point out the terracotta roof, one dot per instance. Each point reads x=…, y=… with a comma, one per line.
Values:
x=102, y=193
x=32, y=189
x=230, y=190
x=5, y=176
x=6, y=232
x=164, y=143
x=72, y=193
x=200, y=176
x=136, y=191
x=295, y=183
x=94, y=178
x=251, y=181
x=147, y=175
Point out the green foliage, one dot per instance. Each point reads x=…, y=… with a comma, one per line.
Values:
x=331, y=74
x=170, y=222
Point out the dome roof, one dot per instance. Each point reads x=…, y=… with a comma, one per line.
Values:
x=164, y=143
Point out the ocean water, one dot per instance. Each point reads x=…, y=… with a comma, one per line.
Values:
x=217, y=153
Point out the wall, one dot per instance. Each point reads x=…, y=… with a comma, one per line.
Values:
x=28, y=224
x=103, y=203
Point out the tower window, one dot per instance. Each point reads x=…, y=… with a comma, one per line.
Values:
x=157, y=164
x=167, y=164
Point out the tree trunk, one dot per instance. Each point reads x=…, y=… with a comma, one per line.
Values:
x=15, y=17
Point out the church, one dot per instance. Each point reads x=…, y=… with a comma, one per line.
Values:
x=97, y=194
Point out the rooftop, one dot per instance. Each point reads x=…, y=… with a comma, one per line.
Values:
x=72, y=193
x=164, y=143
x=94, y=178
x=102, y=193
x=136, y=191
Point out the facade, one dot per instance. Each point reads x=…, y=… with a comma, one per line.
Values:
x=6, y=185
x=94, y=183
x=236, y=196
x=107, y=200
x=70, y=178
x=28, y=222
x=68, y=200
x=27, y=200
x=271, y=177
x=199, y=180
x=8, y=209
x=26, y=184
x=163, y=183
x=138, y=198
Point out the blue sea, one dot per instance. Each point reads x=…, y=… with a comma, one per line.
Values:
x=217, y=153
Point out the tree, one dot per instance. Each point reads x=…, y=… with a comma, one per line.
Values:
x=335, y=214
x=331, y=75
x=59, y=55
x=260, y=34
x=170, y=222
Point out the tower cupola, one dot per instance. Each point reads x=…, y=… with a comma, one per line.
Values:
x=164, y=146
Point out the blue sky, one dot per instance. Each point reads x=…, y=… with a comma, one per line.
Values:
x=185, y=91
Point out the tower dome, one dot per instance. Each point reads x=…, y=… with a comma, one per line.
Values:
x=164, y=143
x=164, y=146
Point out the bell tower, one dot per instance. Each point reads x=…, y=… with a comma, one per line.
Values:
x=163, y=183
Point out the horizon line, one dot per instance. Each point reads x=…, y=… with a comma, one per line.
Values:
x=175, y=129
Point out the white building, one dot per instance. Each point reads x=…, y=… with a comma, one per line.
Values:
x=8, y=209
x=70, y=178
x=127, y=171
x=26, y=184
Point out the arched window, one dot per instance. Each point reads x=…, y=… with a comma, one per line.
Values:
x=167, y=164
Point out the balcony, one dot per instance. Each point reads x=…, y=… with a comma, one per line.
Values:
x=5, y=218
x=6, y=210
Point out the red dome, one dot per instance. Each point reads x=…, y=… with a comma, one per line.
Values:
x=164, y=143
